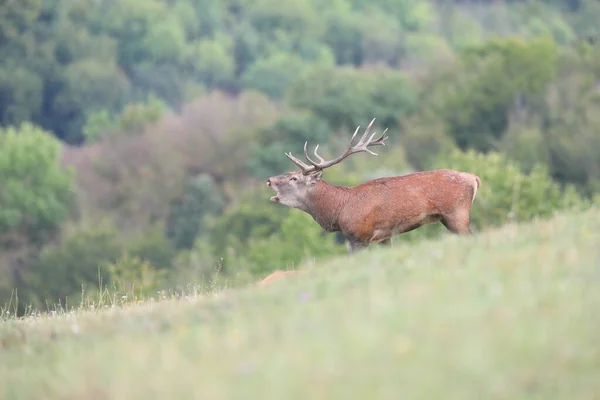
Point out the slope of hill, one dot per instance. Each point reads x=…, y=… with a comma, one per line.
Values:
x=511, y=313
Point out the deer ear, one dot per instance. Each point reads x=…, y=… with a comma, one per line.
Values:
x=315, y=177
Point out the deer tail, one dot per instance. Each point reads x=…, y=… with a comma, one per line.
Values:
x=476, y=186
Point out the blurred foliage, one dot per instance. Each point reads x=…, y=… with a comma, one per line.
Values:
x=488, y=82
x=298, y=239
x=261, y=237
x=78, y=262
x=133, y=118
x=36, y=193
x=347, y=97
x=172, y=114
x=134, y=277
x=93, y=255
x=200, y=200
x=288, y=131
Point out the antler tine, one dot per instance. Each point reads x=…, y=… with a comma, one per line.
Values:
x=321, y=159
x=371, y=138
x=305, y=168
x=315, y=164
x=380, y=140
x=366, y=132
x=353, y=136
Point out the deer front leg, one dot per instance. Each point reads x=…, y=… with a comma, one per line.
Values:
x=355, y=245
x=386, y=242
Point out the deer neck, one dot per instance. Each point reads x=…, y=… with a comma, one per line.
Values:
x=325, y=203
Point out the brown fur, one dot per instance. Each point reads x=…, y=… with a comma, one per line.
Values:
x=377, y=210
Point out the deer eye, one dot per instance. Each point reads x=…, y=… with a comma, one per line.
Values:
x=293, y=178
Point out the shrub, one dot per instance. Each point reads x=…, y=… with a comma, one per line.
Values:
x=134, y=278
x=74, y=264
x=36, y=193
x=201, y=198
x=300, y=239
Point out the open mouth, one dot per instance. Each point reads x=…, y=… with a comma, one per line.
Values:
x=274, y=199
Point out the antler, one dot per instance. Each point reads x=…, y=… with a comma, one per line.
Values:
x=361, y=146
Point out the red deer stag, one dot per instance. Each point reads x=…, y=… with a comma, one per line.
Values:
x=376, y=210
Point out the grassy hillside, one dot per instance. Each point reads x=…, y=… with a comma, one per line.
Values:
x=507, y=314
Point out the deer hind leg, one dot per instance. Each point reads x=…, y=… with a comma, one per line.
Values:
x=458, y=223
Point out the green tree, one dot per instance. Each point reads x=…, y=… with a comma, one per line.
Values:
x=348, y=97
x=459, y=29
x=276, y=19
x=134, y=278
x=381, y=36
x=299, y=239
x=135, y=117
x=21, y=82
x=36, y=196
x=491, y=80
x=77, y=262
x=246, y=42
x=88, y=85
x=152, y=246
x=134, y=23
x=573, y=141
x=201, y=199
x=426, y=49
x=53, y=70
x=344, y=36
x=251, y=216
x=274, y=74
x=134, y=179
x=96, y=124
x=20, y=95
x=526, y=143
x=288, y=133
x=212, y=61
x=585, y=20
x=424, y=139
x=166, y=41
x=413, y=14
x=571, y=124
x=36, y=192
x=92, y=255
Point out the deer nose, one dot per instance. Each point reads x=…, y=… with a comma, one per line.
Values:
x=269, y=182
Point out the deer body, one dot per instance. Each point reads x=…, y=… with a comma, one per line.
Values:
x=377, y=210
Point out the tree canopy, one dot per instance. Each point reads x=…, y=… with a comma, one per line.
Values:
x=135, y=135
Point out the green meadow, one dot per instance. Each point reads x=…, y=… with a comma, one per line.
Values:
x=510, y=313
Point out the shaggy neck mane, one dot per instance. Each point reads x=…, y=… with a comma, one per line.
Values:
x=325, y=203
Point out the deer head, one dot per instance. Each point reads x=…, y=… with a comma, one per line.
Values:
x=294, y=188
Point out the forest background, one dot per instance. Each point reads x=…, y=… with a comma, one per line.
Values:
x=135, y=135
